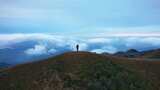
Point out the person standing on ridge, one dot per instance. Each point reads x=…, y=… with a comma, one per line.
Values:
x=77, y=47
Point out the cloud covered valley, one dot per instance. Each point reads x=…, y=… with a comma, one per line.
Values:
x=20, y=48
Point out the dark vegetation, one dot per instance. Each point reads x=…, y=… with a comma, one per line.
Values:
x=82, y=71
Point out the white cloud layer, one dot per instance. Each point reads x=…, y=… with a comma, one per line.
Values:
x=53, y=44
x=37, y=50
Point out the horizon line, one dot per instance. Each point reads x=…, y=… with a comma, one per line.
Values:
x=105, y=34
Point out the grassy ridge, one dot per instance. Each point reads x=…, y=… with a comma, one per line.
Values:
x=74, y=71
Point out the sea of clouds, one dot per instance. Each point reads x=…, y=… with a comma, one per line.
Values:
x=52, y=44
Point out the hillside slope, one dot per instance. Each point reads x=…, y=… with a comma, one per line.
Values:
x=75, y=71
x=153, y=54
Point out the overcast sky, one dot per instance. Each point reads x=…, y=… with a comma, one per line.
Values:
x=79, y=16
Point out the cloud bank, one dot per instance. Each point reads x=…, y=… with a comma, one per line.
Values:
x=20, y=48
x=50, y=43
x=37, y=50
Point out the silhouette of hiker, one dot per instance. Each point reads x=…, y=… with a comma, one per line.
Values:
x=77, y=47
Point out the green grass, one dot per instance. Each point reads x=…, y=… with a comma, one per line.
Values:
x=104, y=75
x=72, y=71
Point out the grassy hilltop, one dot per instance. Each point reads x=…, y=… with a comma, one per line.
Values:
x=80, y=71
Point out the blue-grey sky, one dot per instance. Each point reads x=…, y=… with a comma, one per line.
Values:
x=75, y=16
x=34, y=28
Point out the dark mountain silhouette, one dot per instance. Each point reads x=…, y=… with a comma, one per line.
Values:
x=82, y=71
x=4, y=65
x=132, y=53
x=153, y=54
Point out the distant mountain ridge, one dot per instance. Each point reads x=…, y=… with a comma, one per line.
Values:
x=151, y=54
x=133, y=53
x=4, y=65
